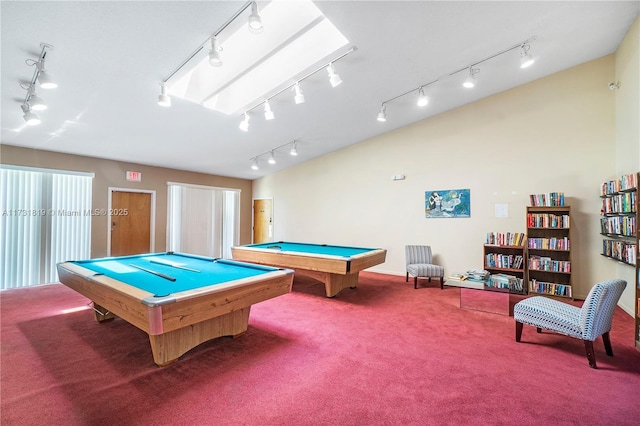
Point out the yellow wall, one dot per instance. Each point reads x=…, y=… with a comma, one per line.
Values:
x=112, y=174
x=627, y=113
x=554, y=134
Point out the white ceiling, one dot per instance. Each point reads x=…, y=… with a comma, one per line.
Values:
x=109, y=57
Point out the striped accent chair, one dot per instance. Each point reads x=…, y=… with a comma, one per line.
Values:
x=419, y=265
x=586, y=323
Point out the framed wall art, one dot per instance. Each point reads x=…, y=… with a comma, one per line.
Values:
x=447, y=203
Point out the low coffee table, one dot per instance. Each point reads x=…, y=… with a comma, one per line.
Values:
x=488, y=299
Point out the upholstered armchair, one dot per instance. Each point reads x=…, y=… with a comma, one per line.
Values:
x=419, y=265
x=593, y=319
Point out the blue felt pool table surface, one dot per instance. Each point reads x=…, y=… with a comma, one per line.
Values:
x=320, y=249
x=203, y=271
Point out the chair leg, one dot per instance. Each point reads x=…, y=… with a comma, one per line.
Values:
x=518, y=331
x=415, y=282
x=441, y=283
x=591, y=356
x=607, y=343
x=407, y=279
x=539, y=330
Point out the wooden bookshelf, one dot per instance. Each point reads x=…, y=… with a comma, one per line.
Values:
x=505, y=256
x=549, y=251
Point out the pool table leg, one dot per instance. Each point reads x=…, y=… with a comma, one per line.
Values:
x=169, y=346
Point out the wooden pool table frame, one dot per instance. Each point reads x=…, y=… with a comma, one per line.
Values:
x=179, y=322
x=336, y=272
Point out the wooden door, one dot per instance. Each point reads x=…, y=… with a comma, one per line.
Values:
x=130, y=223
x=262, y=221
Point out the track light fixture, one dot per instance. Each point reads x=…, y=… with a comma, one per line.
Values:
x=244, y=124
x=423, y=100
x=382, y=115
x=268, y=114
x=214, y=53
x=299, y=97
x=334, y=78
x=272, y=154
x=164, y=99
x=33, y=102
x=526, y=60
x=470, y=81
x=255, y=22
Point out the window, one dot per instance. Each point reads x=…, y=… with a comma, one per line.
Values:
x=203, y=220
x=46, y=219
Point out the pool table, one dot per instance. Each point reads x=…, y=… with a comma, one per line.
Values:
x=179, y=300
x=335, y=266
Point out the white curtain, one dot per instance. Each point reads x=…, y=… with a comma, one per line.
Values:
x=46, y=219
x=203, y=220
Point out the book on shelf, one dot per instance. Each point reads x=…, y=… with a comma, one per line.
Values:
x=514, y=284
x=619, y=203
x=505, y=261
x=550, y=288
x=547, y=264
x=624, y=251
x=549, y=243
x=548, y=220
x=619, y=225
x=505, y=238
x=549, y=199
x=625, y=183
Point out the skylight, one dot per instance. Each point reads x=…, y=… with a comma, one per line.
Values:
x=296, y=37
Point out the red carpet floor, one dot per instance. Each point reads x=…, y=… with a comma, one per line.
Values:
x=383, y=354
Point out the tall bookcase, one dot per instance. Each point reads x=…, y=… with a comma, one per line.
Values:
x=505, y=257
x=549, y=248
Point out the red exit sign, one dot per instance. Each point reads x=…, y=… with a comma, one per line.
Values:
x=134, y=176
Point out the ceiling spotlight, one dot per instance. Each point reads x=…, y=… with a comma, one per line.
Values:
x=46, y=82
x=29, y=117
x=164, y=99
x=470, y=81
x=268, y=114
x=272, y=158
x=255, y=22
x=299, y=97
x=334, y=78
x=254, y=166
x=244, y=124
x=214, y=53
x=423, y=100
x=294, y=150
x=382, y=115
x=526, y=60
x=36, y=103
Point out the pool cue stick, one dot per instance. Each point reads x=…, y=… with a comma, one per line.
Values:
x=161, y=275
x=173, y=266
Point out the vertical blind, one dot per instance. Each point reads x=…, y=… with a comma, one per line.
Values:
x=46, y=219
x=203, y=220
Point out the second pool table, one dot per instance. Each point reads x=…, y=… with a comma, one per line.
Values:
x=179, y=300
x=335, y=266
